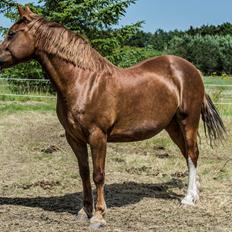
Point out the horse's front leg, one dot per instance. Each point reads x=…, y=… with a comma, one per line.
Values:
x=81, y=152
x=98, y=141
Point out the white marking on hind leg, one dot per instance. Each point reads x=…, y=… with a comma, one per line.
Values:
x=192, y=193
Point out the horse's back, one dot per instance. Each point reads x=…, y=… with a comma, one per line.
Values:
x=151, y=93
x=173, y=73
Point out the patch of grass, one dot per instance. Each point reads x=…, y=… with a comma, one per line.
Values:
x=218, y=80
x=161, y=140
x=221, y=94
x=10, y=107
x=223, y=174
x=26, y=98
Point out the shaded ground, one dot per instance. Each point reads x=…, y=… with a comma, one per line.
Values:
x=40, y=188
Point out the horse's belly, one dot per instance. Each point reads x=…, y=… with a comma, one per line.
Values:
x=134, y=133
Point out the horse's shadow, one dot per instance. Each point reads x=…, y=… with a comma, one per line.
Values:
x=117, y=195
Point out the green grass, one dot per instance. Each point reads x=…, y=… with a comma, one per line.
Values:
x=24, y=100
x=221, y=93
x=9, y=107
x=217, y=80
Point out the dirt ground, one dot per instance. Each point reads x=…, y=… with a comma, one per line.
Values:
x=40, y=188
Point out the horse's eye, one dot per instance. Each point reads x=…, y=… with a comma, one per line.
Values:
x=11, y=34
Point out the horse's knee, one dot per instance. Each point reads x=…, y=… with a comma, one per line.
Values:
x=99, y=177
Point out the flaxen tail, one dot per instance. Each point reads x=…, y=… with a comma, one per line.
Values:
x=213, y=124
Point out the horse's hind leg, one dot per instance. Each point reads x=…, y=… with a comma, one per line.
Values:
x=184, y=134
x=190, y=128
x=176, y=134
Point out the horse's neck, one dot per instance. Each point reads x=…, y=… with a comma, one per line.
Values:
x=63, y=74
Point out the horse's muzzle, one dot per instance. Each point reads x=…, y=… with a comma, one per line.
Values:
x=6, y=60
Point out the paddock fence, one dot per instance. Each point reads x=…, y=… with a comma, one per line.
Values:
x=21, y=89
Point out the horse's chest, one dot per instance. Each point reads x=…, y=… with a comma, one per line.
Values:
x=71, y=122
x=74, y=125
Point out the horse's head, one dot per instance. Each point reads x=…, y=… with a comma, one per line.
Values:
x=18, y=45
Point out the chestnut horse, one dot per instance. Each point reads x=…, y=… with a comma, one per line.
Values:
x=98, y=102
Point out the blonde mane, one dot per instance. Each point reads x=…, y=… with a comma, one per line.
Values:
x=55, y=39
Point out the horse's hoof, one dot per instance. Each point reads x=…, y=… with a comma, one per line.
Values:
x=187, y=202
x=190, y=200
x=82, y=216
x=97, y=222
x=96, y=226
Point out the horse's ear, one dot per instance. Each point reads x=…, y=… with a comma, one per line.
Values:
x=28, y=10
x=21, y=11
x=25, y=14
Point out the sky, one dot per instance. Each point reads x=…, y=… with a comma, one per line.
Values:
x=171, y=14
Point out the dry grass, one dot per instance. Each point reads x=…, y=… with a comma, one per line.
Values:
x=41, y=191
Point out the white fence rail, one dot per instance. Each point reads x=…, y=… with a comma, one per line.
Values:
x=42, y=89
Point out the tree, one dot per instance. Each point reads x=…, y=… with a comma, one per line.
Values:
x=141, y=39
x=160, y=40
x=222, y=30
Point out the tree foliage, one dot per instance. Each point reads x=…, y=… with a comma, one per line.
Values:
x=222, y=30
x=208, y=47
x=210, y=53
x=128, y=56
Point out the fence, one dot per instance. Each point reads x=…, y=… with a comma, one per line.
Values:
x=35, y=89
x=12, y=88
x=221, y=94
